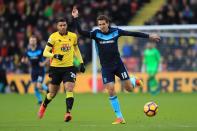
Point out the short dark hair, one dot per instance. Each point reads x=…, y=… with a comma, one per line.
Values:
x=33, y=36
x=61, y=19
x=103, y=17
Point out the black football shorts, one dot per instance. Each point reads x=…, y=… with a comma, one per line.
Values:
x=59, y=74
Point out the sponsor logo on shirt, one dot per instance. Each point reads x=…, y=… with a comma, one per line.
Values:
x=107, y=42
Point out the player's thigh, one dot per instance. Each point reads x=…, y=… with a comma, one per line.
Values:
x=69, y=78
x=69, y=74
x=34, y=77
x=55, y=76
x=121, y=72
x=108, y=75
x=53, y=88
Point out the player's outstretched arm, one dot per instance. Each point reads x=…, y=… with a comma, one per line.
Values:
x=75, y=15
x=152, y=37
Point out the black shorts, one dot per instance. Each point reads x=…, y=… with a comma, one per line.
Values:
x=37, y=76
x=109, y=73
x=59, y=74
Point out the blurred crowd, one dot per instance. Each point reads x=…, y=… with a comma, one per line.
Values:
x=20, y=19
x=175, y=12
x=178, y=53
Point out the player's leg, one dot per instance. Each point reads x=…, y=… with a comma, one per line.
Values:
x=37, y=93
x=69, y=86
x=53, y=89
x=69, y=83
x=36, y=90
x=45, y=87
x=41, y=86
x=109, y=80
x=152, y=82
x=128, y=82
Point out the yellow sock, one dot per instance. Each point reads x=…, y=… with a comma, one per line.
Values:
x=49, y=96
x=69, y=94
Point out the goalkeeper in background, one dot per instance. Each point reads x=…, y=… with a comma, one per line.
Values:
x=151, y=63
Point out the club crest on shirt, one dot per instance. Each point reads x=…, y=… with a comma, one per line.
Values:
x=65, y=47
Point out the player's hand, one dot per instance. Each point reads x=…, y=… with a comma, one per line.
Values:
x=24, y=60
x=58, y=56
x=75, y=12
x=154, y=37
x=82, y=68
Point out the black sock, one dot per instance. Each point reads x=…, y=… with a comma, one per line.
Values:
x=46, y=101
x=69, y=104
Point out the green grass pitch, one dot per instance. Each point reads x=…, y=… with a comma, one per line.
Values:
x=92, y=112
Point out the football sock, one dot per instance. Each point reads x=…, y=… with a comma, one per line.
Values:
x=38, y=95
x=69, y=101
x=47, y=100
x=133, y=81
x=44, y=87
x=116, y=106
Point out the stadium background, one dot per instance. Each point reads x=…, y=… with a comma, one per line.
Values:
x=19, y=19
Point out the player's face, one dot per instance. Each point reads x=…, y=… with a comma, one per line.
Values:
x=62, y=27
x=103, y=25
x=150, y=45
x=33, y=42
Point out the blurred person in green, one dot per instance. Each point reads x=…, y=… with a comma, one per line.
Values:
x=151, y=64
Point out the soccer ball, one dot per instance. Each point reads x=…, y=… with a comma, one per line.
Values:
x=150, y=109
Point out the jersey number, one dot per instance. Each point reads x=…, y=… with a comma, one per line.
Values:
x=124, y=75
x=72, y=75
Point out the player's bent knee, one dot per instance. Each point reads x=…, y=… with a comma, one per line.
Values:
x=69, y=86
x=50, y=96
x=70, y=89
x=39, y=88
x=128, y=86
x=111, y=91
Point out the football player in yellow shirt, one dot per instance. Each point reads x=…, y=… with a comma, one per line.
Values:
x=61, y=49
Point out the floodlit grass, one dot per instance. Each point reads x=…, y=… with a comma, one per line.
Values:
x=92, y=112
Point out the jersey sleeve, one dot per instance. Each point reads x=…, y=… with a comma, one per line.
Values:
x=131, y=33
x=47, y=51
x=51, y=41
x=85, y=33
